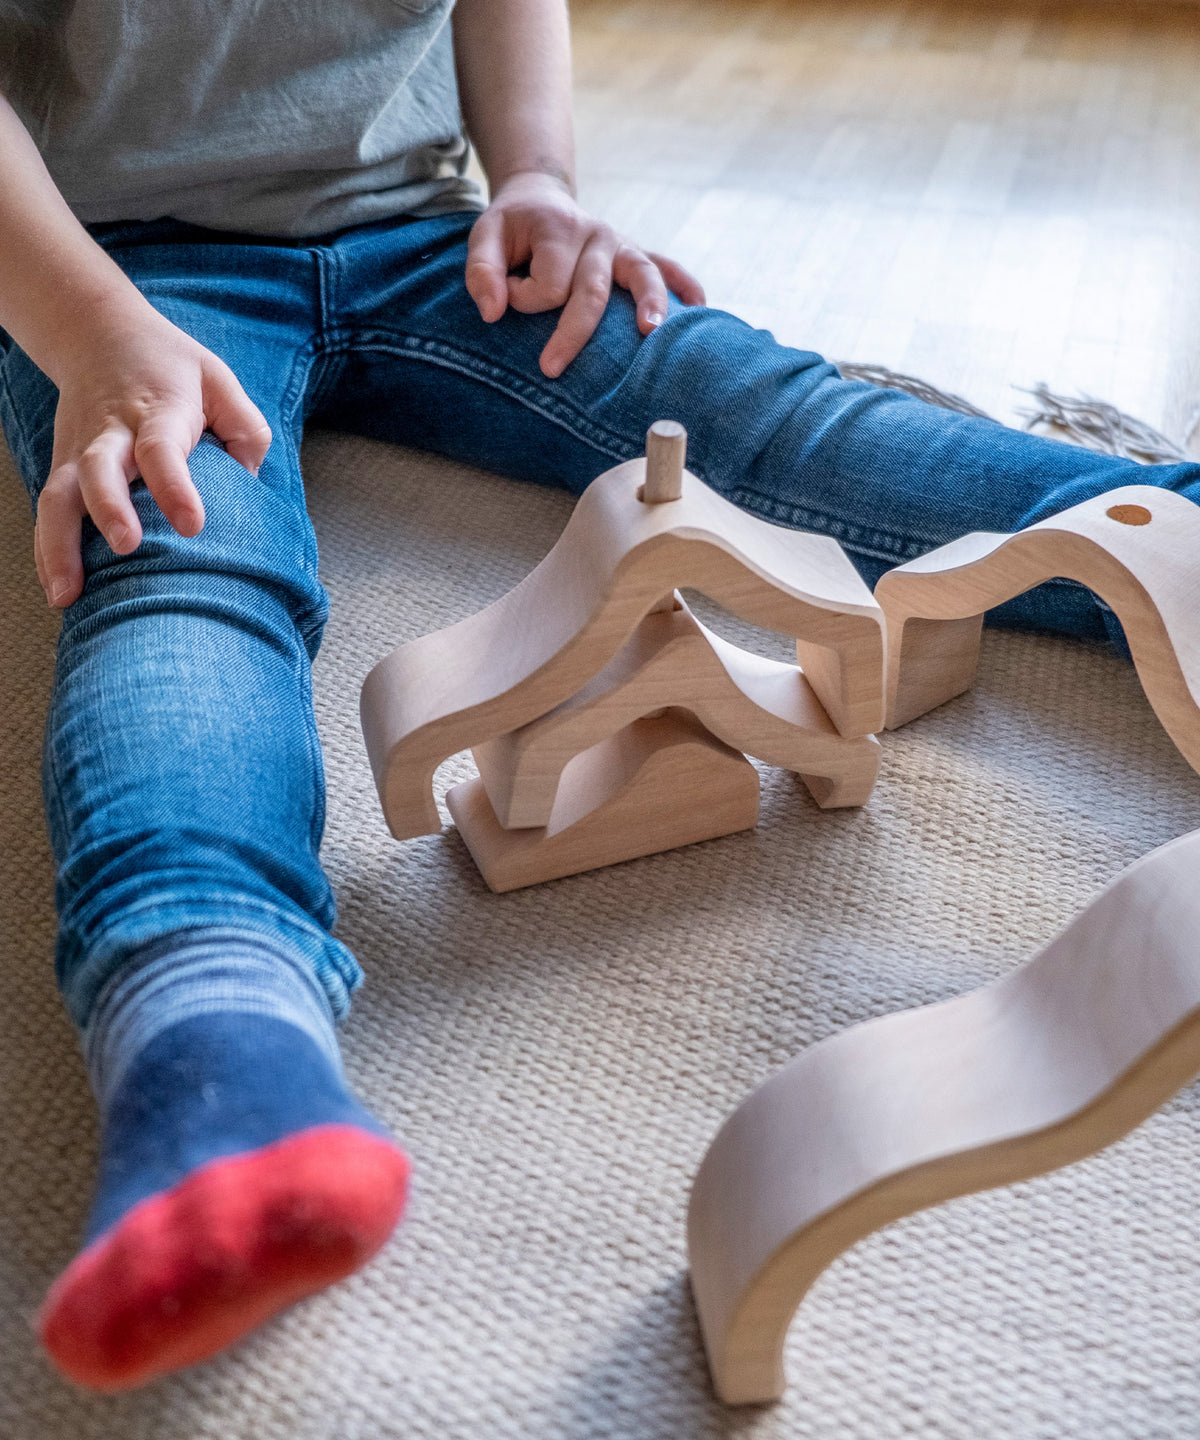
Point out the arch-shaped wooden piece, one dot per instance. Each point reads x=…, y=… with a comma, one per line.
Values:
x=616, y=559
x=657, y=783
x=763, y=707
x=1059, y=1058
x=1136, y=547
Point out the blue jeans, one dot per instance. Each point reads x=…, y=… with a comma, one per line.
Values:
x=183, y=777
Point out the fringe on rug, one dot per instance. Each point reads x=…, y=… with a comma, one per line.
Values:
x=891, y=380
x=1092, y=423
x=1101, y=426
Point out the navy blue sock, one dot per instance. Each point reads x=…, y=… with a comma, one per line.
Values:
x=211, y=1086
x=238, y=1173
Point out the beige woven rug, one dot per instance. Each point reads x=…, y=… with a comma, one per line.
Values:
x=557, y=1060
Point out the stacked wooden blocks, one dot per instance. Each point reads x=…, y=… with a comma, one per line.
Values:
x=605, y=720
x=608, y=723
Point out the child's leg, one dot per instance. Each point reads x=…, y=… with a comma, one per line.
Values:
x=776, y=430
x=185, y=799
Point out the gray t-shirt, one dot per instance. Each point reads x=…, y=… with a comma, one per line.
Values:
x=275, y=117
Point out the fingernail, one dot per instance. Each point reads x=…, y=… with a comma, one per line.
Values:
x=120, y=536
x=654, y=318
x=59, y=590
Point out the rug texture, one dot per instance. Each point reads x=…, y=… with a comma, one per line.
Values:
x=558, y=1058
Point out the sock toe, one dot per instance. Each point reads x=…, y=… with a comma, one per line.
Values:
x=191, y=1269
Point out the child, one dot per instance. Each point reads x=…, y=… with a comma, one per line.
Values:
x=278, y=227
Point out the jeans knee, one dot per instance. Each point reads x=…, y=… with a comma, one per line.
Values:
x=734, y=387
x=253, y=564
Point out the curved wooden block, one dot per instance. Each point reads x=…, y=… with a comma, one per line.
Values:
x=763, y=707
x=1043, y=1067
x=615, y=560
x=1136, y=547
x=655, y=784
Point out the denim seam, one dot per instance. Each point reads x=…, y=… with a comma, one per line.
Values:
x=875, y=544
x=331, y=350
x=294, y=393
x=516, y=387
x=18, y=425
x=326, y=261
x=52, y=786
x=333, y=343
x=878, y=544
x=317, y=824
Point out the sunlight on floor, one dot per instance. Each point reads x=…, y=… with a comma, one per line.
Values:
x=986, y=196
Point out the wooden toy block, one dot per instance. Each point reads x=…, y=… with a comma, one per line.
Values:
x=619, y=559
x=763, y=707
x=1136, y=547
x=1051, y=1063
x=653, y=785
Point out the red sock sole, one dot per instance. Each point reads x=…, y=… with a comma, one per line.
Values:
x=190, y=1270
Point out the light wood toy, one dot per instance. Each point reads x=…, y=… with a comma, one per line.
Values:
x=605, y=720
x=1041, y=1068
x=1136, y=547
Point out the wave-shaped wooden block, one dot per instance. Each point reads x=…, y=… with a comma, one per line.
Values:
x=1041, y=1068
x=652, y=785
x=614, y=563
x=1137, y=548
x=763, y=707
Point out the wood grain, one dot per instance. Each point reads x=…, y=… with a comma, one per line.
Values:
x=653, y=785
x=616, y=559
x=763, y=707
x=1047, y=1065
x=1136, y=547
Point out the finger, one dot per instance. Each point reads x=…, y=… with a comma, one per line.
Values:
x=43, y=581
x=487, y=266
x=56, y=537
x=679, y=281
x=233, y=418
x=590, y=288
x=638, y=274
x=164, y=442
x=552, y=269
x=103, y=472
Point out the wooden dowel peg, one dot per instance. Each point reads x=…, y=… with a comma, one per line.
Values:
x=666, y=449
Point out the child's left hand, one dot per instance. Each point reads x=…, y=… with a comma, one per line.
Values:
x=573, y=260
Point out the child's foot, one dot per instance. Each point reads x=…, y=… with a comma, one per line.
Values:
x=238, y=1174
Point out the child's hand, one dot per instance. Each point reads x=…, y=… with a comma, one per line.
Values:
x=135, y=395
x=573, y=260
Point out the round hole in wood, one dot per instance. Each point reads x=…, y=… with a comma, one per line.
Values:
x=1129, y=514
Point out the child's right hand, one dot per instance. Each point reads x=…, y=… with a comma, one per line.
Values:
x=135, y=395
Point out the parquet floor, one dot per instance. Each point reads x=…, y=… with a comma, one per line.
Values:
x=983, y=194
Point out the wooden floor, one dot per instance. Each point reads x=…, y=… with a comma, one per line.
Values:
x=984, y=194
